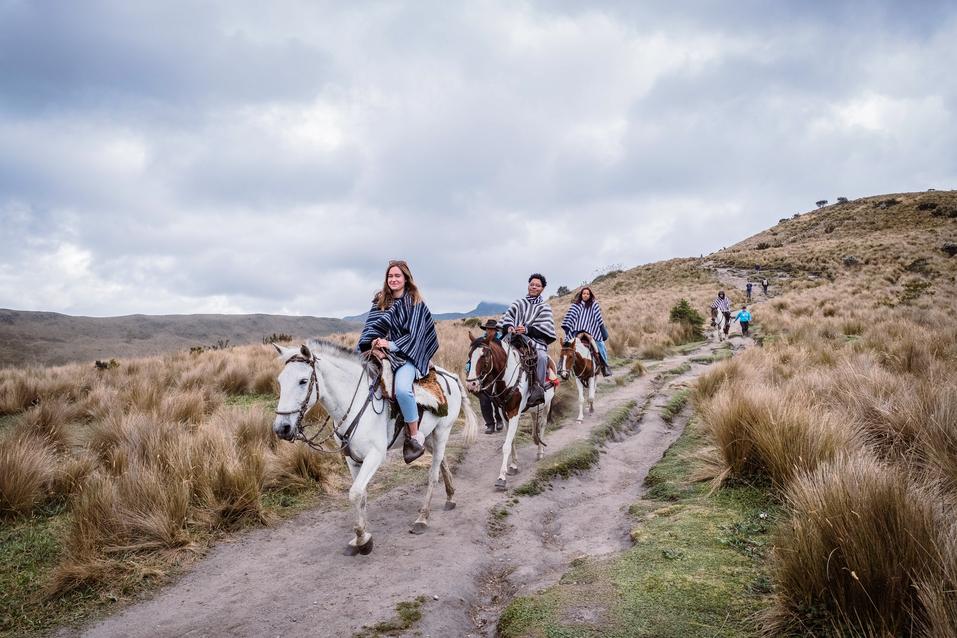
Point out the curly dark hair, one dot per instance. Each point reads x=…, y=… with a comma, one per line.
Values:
x=539, y=276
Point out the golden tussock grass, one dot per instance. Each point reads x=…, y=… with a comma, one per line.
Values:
x=864, y=549
x=27, y=472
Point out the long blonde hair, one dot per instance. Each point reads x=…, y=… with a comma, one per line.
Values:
x=384, y=297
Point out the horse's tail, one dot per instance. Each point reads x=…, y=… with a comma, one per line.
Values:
x=471, y=423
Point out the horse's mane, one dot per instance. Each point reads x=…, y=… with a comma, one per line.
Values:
x=322, y=346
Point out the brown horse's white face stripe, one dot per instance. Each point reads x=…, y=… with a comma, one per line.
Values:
x=479, y=365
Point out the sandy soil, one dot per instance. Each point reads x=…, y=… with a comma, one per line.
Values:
x=293, y=579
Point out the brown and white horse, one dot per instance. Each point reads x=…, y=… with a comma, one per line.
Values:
x=576, y=358
x=496, y=369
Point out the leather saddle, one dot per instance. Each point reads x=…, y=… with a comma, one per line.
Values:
x=428, y=391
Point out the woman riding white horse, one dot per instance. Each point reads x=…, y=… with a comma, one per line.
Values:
x=400, y=328
x=363, y=423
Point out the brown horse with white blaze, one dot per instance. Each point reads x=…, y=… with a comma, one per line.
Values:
x=577, y=358
x=496, y=369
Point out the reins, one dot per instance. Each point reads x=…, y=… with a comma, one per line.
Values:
x=344, y=437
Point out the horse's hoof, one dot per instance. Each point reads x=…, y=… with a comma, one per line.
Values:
x=366, y=549
x=500, y=485
x=539, y=456
x=449, y=505
x=579, y=420
x=512, y=471
x=419, y=527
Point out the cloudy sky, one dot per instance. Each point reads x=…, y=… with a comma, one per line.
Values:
x=181, y=157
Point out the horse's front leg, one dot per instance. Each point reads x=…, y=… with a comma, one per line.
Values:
x=507, y=449
x=581, y=400
x=362, y=543
x=591, y=393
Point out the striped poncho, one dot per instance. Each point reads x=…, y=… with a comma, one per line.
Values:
x=722, y=305
x=409, y=327
x=535, y=315
x=585, y=318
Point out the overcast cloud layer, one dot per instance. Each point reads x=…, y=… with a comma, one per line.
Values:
x=238, y=157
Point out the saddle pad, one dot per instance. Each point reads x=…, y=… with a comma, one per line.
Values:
x=427, y=390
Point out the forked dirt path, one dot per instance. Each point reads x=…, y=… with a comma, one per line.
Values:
x=293, y=579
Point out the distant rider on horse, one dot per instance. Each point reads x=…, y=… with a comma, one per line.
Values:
x=584, y=315
x=400, y=327
x=723, y=305
x=531, y=317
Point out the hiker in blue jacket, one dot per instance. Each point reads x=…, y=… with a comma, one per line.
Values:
x=744, y=318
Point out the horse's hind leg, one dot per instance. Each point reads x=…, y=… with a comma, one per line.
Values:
x=449, y=488
x=362, y=543
x=437, y=442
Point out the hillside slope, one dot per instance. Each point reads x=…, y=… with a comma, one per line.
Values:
x=49, y=338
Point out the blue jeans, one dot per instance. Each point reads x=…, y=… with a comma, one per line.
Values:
x=601, y=348
x=404, y=377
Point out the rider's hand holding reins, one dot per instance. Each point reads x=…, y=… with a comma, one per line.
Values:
x=519, y=329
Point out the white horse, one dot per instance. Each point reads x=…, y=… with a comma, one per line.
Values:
x=576, y=358
x=719, y=323
x=503, y=378
x=363, y=423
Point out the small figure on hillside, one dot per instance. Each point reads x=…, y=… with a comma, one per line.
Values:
x=747, y=290
x=744, y=318
x=494, y=419
x=584, y=315
x=764, y=285
x=723, y=305
x=531, y=317
x=400, y=328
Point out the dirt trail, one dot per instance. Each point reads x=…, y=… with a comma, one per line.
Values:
x=293, y=579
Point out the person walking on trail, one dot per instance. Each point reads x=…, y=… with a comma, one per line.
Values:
x=764, y=285
x=400, y=328
x=723, y=305
x=744, y=318
x=584, y=315
x=531, y=317
x=494, y=419
x=747, y=290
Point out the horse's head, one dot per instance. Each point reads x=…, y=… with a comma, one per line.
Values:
x=482, y=361
x=566, y=360
x=298, y=390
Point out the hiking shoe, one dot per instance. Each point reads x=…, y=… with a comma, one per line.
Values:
x=413, y=448
x=490, y=428
x=499, y=427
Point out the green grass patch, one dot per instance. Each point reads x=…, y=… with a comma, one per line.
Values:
x=690, y=347
x=675, y=405
x=698, y=567
x=677, y=371
x=407, y=613
x=577, y=457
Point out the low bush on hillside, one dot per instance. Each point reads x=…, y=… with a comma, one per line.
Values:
x=689, y=319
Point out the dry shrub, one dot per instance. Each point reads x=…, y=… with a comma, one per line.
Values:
x=294, y=466
x=234, y=380
x=938, y=438
x=184, y=406
x=864, y=550
x=27, y=472
x=759, y=436
x=100, y=402
x=251, y=427
x=711, y=381
x=656, y=350
x=20, y=391
x=50, y=420
x=265, y=383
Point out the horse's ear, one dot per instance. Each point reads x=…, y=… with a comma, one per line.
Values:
x=285, y=353
x=471, y=337
x=305, y=351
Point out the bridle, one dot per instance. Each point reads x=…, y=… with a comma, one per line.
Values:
x=344, y=437
x=488, y=380
x=574, y=355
